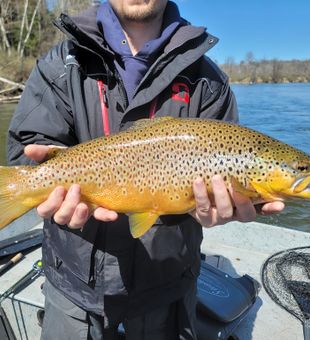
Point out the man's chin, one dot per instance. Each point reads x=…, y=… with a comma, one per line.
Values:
x=139, y=11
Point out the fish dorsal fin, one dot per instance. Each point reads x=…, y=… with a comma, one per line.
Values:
x=140, y=223
x=238, y=187
x=53, y=151
x=145, y=122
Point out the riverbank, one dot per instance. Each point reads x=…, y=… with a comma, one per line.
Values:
x=247, y=81
x=15, y=71
x=14, y=99
x=267, y=71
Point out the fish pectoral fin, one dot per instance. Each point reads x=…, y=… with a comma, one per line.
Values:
x=238, y=187
x=264, y=191
x=140, y=223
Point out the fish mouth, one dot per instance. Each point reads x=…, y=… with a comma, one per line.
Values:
x=302, y=185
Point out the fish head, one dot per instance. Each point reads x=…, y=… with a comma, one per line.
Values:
x=282, y=174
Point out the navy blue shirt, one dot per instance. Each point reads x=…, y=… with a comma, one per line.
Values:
x=133, y=68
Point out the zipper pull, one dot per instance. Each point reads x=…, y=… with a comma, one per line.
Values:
x=105, y=97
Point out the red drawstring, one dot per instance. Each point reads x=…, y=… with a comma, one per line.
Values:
x=153, y=108
x=104, y=108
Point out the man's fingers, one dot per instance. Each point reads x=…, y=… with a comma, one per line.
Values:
x=104, y=215
x=66, y=208
x=229, y=205
x=222, y=198
x=79, y=217
x=272, y=208
x=245, y=210
x=203, y=204
x=69, y=205
x=48, y=208
x=204, y=213
x=39, y=153
x=36, y=152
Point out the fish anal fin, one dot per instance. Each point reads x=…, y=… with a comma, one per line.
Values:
x=140, y=223
x=238, y=187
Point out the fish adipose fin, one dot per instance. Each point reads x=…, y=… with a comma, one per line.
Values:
x=238, y=187
x=10, y=207
x=140, y=223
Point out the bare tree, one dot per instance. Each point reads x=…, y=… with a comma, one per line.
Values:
x=4, y=5
x=251, y=67
x=21, y=32
x=70, y=6
x=249, y=57
x=29, y=29
x=229, y=65
x=276, y=68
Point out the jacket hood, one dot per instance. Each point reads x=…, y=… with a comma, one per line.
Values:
x=84, y=30
x=186, y=46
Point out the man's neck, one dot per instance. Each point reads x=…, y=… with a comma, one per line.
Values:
x=137, y=34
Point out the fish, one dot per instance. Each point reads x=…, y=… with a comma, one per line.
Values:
x=148, y=170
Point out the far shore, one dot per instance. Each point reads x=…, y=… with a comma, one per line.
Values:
x=4, y=100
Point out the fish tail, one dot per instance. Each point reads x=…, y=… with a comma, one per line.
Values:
x=11, y=200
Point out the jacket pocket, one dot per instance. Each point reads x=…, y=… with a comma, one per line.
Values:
x=67, y=252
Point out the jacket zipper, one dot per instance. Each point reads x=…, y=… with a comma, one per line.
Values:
x=122, y=87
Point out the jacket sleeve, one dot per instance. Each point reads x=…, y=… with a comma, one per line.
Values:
x=218, y=100
x=43, y=115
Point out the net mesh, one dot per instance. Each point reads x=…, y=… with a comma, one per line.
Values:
x=286, y=278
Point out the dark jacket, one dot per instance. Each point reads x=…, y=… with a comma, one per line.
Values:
x=102, y=268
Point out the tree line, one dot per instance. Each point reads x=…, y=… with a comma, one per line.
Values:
x=26, y=31
x=251, y=71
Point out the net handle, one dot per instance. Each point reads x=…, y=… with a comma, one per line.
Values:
x=306, y=326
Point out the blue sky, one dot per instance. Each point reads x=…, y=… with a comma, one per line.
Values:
x=268, y=28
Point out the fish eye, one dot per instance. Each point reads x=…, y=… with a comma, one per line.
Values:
x=303, y=167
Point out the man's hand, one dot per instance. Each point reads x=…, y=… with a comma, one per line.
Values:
x=65, y=206
x=229, y=205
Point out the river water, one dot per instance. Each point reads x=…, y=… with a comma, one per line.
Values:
x=283, y=112
x=6, y=111
x=279, y=110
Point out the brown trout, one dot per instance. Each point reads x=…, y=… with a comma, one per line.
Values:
x=148, y=170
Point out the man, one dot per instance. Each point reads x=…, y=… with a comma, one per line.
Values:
x=123, y=60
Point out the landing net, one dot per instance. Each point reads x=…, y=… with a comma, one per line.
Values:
x=286, y=278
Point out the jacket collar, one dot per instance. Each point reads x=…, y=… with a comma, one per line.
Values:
x=187, y=45
x=86, y=33
x=113, y=33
